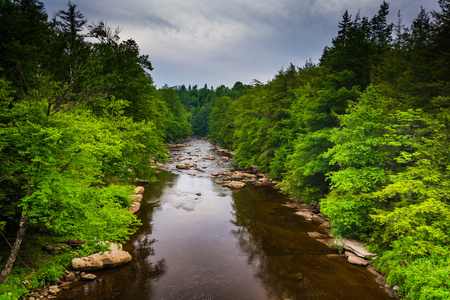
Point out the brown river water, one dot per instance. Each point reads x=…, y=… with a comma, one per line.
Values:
x=223, y=244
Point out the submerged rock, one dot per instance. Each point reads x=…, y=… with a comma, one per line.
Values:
x=294, y=276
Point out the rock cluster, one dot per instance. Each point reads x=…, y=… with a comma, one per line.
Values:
x=224, y=151
x=175, y=145
x=62, y=284
x=137, y=198
x=238, y=179
x=354, y=250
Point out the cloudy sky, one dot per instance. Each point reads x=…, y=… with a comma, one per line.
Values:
x=219, y=42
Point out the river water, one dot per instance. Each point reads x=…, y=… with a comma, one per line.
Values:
x=200, y=240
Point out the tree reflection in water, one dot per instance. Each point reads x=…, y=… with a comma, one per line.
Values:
x=278, y=247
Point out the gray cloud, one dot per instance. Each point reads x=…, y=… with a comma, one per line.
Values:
x=224, y=41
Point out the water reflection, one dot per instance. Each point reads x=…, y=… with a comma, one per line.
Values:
x=289, y=263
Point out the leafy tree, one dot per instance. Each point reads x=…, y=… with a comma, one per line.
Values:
x=23, y=37
x=177, y=125
x=221, y=122
x=59, y=164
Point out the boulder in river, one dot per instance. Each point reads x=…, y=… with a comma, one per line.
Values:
x=355, y=260
x=211, y=157
x=235, y=184
x=191, y=164
x=137, y=197
x=139, y=190
x=109, y=259
x=88, y=276
x=134, y=207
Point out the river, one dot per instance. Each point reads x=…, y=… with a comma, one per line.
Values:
x=200, y=240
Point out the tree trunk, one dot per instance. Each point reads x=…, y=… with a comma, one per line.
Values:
x=23, y=225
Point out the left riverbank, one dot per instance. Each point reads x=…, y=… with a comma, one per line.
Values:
x=76, y=269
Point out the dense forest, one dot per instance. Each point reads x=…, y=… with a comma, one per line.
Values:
x=363, y=134
x=80, y=120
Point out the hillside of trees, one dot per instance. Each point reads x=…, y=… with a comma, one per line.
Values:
x=80, y=120
x=363, y=134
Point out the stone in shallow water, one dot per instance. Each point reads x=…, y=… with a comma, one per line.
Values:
x=318, y=235
x=89, y=276
x=294, y=276
x=355, y=260
x=235, y=185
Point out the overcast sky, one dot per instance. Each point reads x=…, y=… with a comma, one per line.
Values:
x=219, y=42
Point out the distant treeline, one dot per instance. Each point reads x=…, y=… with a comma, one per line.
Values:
x=365, y=133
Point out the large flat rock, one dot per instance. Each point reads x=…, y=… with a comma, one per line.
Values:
x=109, y=259
x=357, y=247
x=355, y=260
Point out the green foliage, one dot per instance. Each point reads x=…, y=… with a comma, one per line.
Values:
x=75, y=117
x=61, y=162
x=46, y=271
x=221, y=124
x=423, y=278
x=314, y=113
x=177, y=126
